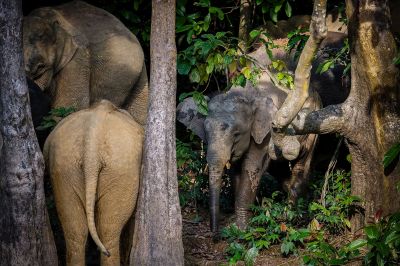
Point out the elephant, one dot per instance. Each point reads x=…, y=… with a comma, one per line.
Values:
x=93, y=158
x=237, y=129
x=79, y=54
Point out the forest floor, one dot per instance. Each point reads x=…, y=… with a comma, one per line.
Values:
x=201, y=250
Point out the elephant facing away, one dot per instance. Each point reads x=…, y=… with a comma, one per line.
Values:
x=79, y=54
x=94, y=160
x=237, y=130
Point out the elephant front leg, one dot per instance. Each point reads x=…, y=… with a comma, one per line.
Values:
x=72, y=83
x=254, y=164
x=298, y=181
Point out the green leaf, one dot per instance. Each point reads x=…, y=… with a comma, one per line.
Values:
x=250, y=256
x=194, y=75
x=392, y=237
x=277, y=7
x=288, y=9
x=184, y=95
x=254, y=33
x=207, y=21
x=371, y=232
x=246, y=71
x=287, y=247
x=183, y=67
x=391, y=154
x=325, y=66
x=356, y=244
x=210, y=66
x=273, y=15
x=218, y=11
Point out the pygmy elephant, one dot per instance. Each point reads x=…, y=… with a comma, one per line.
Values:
x=237, y=129
x=79, y=54
x=94, y=160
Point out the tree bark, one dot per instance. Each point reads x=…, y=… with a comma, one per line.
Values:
x=158, y=229
x=244, y=23
x=25, y=235
x=370, y=117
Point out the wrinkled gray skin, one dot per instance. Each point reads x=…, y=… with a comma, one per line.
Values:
x=237, y=129
x=79, y=54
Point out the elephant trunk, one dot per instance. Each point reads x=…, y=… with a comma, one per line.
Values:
x=92, y=166
x=215, y=177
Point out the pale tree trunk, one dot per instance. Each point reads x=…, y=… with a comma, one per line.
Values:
x=370, y=117
x=25, y=234
x=244, y=23
x=158, y=229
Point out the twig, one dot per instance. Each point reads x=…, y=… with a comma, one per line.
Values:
x=328, y=172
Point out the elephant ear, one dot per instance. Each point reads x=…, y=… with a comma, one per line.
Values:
x=187, y=114
x=265, y=110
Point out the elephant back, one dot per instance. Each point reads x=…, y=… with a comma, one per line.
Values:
x=96, y=24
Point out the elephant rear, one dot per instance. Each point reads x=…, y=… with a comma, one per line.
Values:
x=94, y=160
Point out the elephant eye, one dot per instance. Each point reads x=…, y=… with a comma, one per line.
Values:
x=39, y=68
x=236, y=135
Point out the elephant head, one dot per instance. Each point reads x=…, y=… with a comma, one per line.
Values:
x=48, y=45
x=234, y=120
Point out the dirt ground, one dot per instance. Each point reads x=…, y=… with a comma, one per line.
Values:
x=201, y=250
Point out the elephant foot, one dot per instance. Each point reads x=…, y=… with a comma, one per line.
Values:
x=242, y=218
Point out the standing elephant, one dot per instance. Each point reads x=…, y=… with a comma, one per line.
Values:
x=94, y=161
x=79, y=54
x=237, y=129
x=238, y=125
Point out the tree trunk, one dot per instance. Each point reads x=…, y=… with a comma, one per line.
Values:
x=370, y=117
x=375, y=89
x=25, y=234
x=158, y=228
x=244, y=23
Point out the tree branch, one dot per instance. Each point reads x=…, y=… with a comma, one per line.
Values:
x=295, y=100
x=327, y=120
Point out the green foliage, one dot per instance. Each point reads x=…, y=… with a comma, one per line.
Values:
x=321, y=252
x=339, y=204
x=195, y=24
x=199, y=99
x=296, y=41
x=55, y=116
x=277, y=222
x=135, y=14
x=273, y=223
x=391, y=155
x=192, y=180
x=274, y=7
x=213, y=54
x=383, y=241
x=341, y=57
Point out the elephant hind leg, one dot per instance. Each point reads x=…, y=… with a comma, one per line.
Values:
x=73, y=221
x=114, y=208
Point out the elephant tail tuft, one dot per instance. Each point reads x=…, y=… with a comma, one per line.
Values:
x=92, y=167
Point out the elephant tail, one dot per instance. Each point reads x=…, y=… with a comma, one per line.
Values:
x=92, y=167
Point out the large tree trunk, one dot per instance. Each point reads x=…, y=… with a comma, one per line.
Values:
x=158, y=228
x=25, y=234
x=375, y=92
x=369, y=119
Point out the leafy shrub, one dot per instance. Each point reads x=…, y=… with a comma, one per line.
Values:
x=339, y=204
x=293, y=227
x=55, y=116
